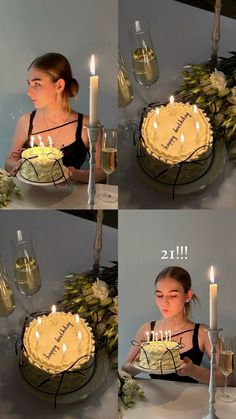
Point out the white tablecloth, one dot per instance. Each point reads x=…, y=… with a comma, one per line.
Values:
x=72, y=196
x=168, y=399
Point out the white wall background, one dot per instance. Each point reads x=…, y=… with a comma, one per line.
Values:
x=181, y=35
x=211, y=240
x=74, y=28
x=63, y=244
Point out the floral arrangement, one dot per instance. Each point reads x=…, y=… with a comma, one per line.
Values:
x=94, y=296
x=212, y=86
x=128, y=391
x=7, y=188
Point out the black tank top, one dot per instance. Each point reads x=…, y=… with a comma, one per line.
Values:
x=194, y=353
x=74, y=153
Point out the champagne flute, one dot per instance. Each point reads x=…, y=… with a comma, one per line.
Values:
x=144, y=60
x=226, y=366
x=108, y=162
x=7, y=307
x=125, y=95
x=27, y=275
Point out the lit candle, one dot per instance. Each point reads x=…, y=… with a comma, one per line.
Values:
x=54, y=309
x=157, y=111
x=197, y=128
x=166, y=335
x=213, y=301
x=64, y=349
x=39, y=321
x=172, y=100
x=181, y=142
x=77, y=320
x=79, y=337
x=156, y=336
x=161, y=333
x=147, y=334
x=93, y=95
x=31, y=141
x=49, y=141
x=169, y=335
x=37, y=336
x=195, y=109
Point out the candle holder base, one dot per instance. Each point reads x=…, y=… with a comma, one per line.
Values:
x=211, y=416
x=93, y=132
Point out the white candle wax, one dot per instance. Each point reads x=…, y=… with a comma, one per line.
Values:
x=49, y=141
x=79, y=337
x=157, y=111
x=161, y=333
x=195, y=109
x=166, y=335
x=152, y=333
x=31, y=141
x=77, y=319
x=169, y=335
x=213, y=301
x=172, y=99
x=156, y=336
x=54, y=309
x=93, y=95
x=39, y=320
x=147, y=334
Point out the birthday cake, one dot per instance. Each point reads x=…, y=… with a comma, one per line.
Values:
x=176, y=143
x=160, y=355
x=42, y=164
x=57, y=356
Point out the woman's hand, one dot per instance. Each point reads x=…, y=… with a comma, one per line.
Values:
x=187, y=368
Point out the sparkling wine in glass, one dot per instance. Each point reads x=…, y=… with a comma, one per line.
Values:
x=26, y=270
x=144, y=60
x=7, y=307
x=108, y=162
x=226, y=365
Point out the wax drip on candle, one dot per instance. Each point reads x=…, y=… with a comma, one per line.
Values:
x=197, y=128
x=49, y=141
x=31, y=141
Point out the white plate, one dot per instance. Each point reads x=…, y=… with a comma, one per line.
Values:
x=100, y=373
x=152, y=371
x=29, y=182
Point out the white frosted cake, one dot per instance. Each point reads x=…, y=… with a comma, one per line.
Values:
x=59, y=344
x=42, y=164
x=176, y=134
x=160, y=355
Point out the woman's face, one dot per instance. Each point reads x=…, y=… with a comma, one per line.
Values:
x=42, y=90
x=170, y=297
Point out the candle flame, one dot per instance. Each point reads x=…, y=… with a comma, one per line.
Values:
x=92, y=65
x=172, y=99
x=197, y=126
x=157, y=111
x=64, y=348
x=39, y=321
x=37, y=334
x=212, y=279
x=19, y=236
x=54, y=309
x=182, y=139
x=76, y=318
x=195, y=109
x=155, y=125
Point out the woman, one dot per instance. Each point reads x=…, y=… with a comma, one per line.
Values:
x=173, y=295
x=50, y=86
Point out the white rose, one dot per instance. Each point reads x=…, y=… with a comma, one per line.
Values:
x=100, y=289
x=218, y=80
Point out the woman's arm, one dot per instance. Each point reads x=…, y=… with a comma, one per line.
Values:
x=83, y=175
x=202, y=375
x=135, y=351
x=19, y=138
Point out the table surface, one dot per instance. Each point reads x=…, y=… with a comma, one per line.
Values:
x=63, y=244
x=168, y=399
x=72, y=196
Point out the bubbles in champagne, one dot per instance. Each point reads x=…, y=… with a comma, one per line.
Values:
x=27, y=276
x=145, y=67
